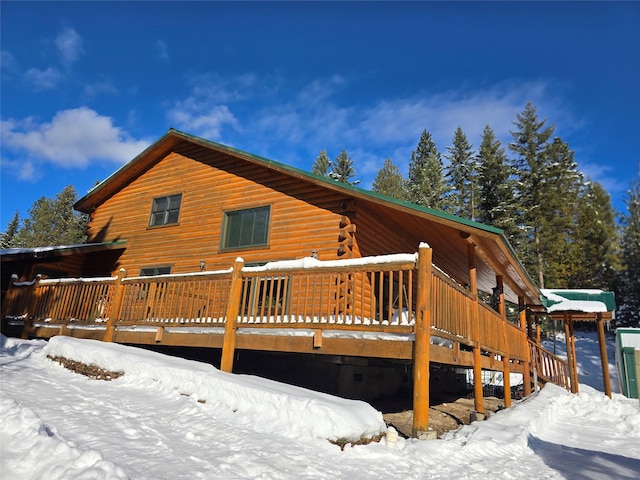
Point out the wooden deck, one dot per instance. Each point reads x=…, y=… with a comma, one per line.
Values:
x=395, y=307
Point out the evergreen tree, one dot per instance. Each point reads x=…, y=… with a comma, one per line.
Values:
x=389, y=181
x=461, y=174
x=530, y=144
x=322, y=165
x=343, y=169
x=496, y=202
x=597, y=259
x=426, y=185
x=53, y=222
x=628, y=291
x=556, y=226
x=8, y=236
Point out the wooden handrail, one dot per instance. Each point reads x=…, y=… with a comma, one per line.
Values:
x=356, y=296
x=549, y=367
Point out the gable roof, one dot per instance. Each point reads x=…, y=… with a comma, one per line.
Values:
x=493, y=248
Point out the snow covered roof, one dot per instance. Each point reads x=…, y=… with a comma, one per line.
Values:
x=12, y=254
x=585, y=300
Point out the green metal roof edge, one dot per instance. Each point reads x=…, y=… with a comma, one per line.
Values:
x=333, y=183
x=369, y=193
x=608, y=298
x=346, y=186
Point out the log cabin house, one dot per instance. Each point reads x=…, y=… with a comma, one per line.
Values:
x=198, y=244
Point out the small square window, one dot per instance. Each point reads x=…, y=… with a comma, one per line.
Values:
x=152, y=271
x=165, y=210
x=246, y=228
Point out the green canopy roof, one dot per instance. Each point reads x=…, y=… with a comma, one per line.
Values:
x=588, y=301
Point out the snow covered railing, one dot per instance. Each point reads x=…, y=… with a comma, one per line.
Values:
x=74, y=300
x=549, y=367
x=376, y=294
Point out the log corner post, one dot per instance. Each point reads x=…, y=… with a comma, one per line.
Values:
x=606, y=377
x=231, y=320
x=422, y=344
x=31, y=311
x=116, y=306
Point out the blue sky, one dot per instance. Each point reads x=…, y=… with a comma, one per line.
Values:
x=86, y=86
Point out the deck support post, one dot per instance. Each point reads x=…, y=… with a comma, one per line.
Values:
x=31, y=311
x=571, y=352
x=606, y=378
x=116, y=307
x=231, y=317
x=506, y=370
x=422, y=344
x=526, y=374
x=475, y=332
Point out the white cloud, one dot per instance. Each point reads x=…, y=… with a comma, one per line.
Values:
x=69, y=44
x=72, y=139
x=98, y=88
x=44, y=79
x=162, y=51
x=207, y=122
x=206, y=110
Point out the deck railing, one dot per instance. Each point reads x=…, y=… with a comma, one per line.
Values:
x=378, y=294
x=549, y=367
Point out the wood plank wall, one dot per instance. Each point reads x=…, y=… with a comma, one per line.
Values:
x=303, y=217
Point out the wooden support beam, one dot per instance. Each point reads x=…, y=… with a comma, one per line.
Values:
x=506, y=371
x=116, y=307
x=317, y=339
x=31, y=311
x=475, y=331
x=422, y=344
x=159, y=334
x=231, y=321
x=568, y=334
x=526, y=376
x=606, y=378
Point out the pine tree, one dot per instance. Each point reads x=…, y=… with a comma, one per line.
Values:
x=343, y=169
x=322, y=165
x=530, y=144
x=426, y=185
x=496, y=203
x=628, y=291
x=7, y=238
x=597, y=261
x=52, y=222
x=461, y=174
x=389, y=181
x=556, y=226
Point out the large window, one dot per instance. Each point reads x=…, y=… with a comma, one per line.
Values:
x=246, y=228
x=165, y=210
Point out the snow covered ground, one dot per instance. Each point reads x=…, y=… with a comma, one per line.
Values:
x=169, y=418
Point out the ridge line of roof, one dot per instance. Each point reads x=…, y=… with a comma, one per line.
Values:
x=362, y=191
